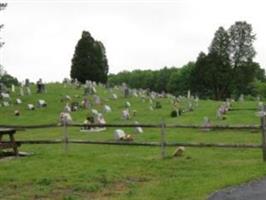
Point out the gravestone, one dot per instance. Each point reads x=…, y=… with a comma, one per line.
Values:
x=31, y=107
x=260, y=106
x=85, y=103
x=241, y=98
x=16, y=113
x=5, y=96
x=138, y=129
x=114, y=96
x=13, y=89
x=27, y=82
x=206, y=124
x=28, y=91
x=18, y=101
x=94, y=112
x=5, y=103
x=188, y=94
x=21, y=91
x=40, y=86
x=41, y=103
x=125, y=114
x=127, y=105
x=107, y=109
x=99, y=119
x=97, y=100
x=74, y=106
x=126, y=92
x=67, y=108
x=119, y=134
x=65, y=118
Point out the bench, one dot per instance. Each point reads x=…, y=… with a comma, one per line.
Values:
x=11, y=143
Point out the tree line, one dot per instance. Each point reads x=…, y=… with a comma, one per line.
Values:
x=226, y=70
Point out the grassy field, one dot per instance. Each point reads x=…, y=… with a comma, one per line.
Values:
x=121, y=172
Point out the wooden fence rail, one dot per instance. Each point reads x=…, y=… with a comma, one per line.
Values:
x=168, y=144
x=19, y=127
x=163, y=144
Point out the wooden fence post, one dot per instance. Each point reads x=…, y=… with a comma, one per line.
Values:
x=163, y=143
x=263, y=132
x=65, y=134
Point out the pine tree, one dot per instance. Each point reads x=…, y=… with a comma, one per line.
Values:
x=242, y=53
x=89, y=61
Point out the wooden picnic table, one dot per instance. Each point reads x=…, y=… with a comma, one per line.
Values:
x=11, y=143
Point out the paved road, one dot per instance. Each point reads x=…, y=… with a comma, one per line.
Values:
x=255, y=190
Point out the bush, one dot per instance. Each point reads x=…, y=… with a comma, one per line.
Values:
x=174, y=113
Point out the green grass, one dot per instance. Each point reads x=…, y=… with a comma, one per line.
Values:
x=122, y=172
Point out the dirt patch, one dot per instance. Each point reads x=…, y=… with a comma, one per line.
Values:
x=117, y=188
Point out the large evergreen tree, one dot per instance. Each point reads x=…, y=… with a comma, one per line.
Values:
x=241, y=43
x=242, y=53
x=228, y=68
x=89, y=61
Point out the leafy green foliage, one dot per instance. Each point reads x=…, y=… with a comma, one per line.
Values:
x=226, y=70
x=89, y=61
x=241, y=43
x=172, y=80
x=8, y=80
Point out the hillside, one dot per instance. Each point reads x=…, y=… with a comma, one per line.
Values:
x=126, y=172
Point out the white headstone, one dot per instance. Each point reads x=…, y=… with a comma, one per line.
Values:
x=41, y=103
x=107, y=108
x=28, y=90
x=119, y=134
x=94, y=112
x=241, y=98
x=18, y=101
x=31, y=107
x=138, y=129
x=218, y=114
x=21, y=91
x=5, y=96
x=97, y=100
x=100, y=119
x=67, y=109
x=13, y=88
x=5, y=103
x=114, y=96
x=127, y=104
x=65, y=118
x=125, y=114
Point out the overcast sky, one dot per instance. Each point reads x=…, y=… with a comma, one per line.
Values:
x=41, y=36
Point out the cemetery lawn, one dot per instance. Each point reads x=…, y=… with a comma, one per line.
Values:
x=126, y=172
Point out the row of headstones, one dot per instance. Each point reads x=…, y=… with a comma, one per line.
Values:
x=227, y=106
x=220, y=114
x=223, y=109
x=183, y=104
x=39, y=104
x=89, y=89
x=24, y=87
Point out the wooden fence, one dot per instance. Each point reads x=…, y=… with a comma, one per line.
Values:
x=163, y=144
